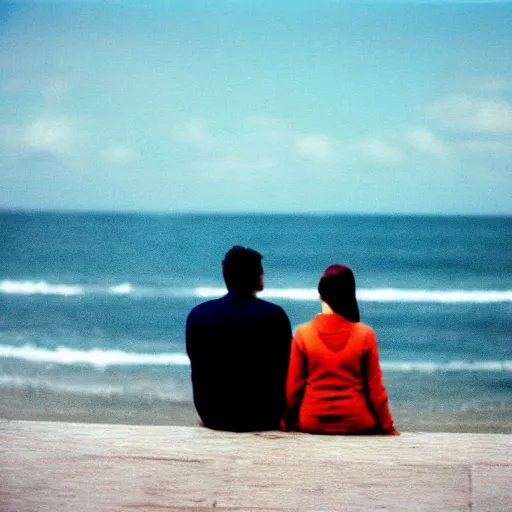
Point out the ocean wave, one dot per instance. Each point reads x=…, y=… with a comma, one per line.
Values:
x=102, y=358
x=10, y=287
x=95, y=357
x=145, y=391
x=381, y=295
x=450, y=366
x=40, y=288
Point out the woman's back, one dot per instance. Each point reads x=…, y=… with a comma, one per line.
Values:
x=334, y=380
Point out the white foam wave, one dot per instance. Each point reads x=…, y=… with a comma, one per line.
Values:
x=379, y=295
x=121, y=289
x=142, y=390
x=443, y=296
x=103, y=358
x=450, y=366
x=95, y=357
x=92, y=389
x=39, y=288
x=11, y=287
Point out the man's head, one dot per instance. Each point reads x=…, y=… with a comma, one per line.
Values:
x=242, y=270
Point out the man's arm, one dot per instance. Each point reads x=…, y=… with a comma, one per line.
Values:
x=285, y=336
x=295, y=384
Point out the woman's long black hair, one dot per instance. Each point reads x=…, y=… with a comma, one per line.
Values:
x=337, y=287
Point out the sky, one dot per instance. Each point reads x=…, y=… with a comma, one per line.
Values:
x=268, y=107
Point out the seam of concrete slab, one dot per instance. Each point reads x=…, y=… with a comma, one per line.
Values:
x=470, y=478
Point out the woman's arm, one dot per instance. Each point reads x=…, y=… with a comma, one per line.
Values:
x=295, y=384
x=376, y=392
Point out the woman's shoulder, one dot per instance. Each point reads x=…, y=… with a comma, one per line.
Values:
x=367, y=333
x=364, y=327
x=303, y=328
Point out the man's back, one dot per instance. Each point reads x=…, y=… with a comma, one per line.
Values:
x=239, y=348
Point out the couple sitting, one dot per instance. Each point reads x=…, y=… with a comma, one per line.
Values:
x=248, y=374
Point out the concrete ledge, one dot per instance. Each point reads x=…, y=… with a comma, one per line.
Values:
x=52, y=467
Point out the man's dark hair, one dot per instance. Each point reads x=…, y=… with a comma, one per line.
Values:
x=242, y=269
x=337, y=287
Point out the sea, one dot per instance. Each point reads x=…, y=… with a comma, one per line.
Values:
x=93, y=307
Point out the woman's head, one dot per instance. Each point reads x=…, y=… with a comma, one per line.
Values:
x=337, y=288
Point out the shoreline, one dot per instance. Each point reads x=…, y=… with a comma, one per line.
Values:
x=18, y=405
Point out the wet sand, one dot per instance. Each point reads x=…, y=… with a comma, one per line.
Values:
x=44, y=406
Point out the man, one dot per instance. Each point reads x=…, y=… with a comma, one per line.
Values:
x=239, y=348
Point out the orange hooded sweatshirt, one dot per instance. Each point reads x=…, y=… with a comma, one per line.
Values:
x=334, y=383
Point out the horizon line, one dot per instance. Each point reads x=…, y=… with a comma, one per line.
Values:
x=220, y=213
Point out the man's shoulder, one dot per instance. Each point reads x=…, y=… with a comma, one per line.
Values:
x=269, y=307
x=224, y=308
x=205, y=308
x=268, y=304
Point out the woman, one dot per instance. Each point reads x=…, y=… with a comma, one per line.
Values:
x=334, y=383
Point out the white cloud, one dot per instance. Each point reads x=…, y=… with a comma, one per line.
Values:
x=316, y=147
x=424, y=141
x=194, y=132
x=49, y=135
x=45, y=135
x=382, y=151
x=471, y=114
x=119, y=155
x=251, y=149
x=491, y=149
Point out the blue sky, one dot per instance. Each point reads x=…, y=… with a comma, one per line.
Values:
x=389, y=107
